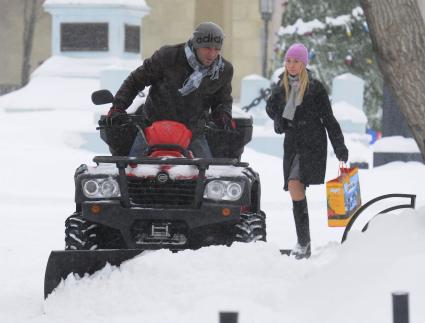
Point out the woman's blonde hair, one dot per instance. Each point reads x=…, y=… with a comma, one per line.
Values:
x=303, y=76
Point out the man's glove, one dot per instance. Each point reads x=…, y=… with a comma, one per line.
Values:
x=228, y=122
x=342, y=153
x=117, y=116
x=115, y=111
x=224, y=120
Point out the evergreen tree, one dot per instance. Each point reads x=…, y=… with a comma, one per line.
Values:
x=336, y=33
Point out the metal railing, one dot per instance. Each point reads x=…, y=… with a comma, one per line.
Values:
x=356, y=215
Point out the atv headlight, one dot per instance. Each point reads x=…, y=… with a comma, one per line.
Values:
x=223, y=190
x=215, y=190
x=91, y=188
x=234, y=191
x=109, y=188
x=101, y=188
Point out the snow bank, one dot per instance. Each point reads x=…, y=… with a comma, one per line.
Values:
x=64, y=83
x=356, y=284
x=73, y=67
x=193, y=286
x=396, y=144
x=346, y=112
x=340, y=283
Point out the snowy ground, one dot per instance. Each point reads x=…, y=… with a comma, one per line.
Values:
x=340, y=283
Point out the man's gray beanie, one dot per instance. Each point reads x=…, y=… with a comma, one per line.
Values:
x=208, y=34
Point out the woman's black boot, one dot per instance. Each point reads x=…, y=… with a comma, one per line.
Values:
x=303, y=247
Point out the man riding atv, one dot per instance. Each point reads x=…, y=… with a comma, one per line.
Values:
x=161, y=197
x=189, y=83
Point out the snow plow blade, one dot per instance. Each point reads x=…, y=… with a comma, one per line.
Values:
x=61, y=263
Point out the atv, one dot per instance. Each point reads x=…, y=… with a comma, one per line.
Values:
x=165, y=199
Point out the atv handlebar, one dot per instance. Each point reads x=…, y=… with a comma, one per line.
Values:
x=105, y=96
x=137, y=120
x=122, y=121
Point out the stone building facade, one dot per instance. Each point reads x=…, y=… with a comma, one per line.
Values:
x=169, y=22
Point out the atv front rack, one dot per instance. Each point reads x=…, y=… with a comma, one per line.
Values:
x=201, y=163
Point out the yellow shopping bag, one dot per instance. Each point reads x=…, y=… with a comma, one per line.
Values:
x=343, y=196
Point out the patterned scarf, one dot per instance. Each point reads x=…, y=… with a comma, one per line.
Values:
x=293, y=98
x=199, y=71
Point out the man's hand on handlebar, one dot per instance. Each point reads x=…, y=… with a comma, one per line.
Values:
x=117, y=116
x=223, y=120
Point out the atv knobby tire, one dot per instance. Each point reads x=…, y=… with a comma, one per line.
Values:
x=251, y=228
x=80, y=234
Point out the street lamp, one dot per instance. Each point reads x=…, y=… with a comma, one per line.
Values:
x=266, y=10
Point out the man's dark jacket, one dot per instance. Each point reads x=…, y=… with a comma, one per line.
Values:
x=306, y=134
x=166, y=72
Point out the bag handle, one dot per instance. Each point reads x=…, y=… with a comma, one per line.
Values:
x=343, y=169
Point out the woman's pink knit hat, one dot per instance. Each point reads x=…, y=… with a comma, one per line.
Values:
x=299, y=52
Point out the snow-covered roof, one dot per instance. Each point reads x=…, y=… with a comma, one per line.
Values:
x=135, y=4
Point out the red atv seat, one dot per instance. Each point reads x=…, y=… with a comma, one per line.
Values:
x=167, y=132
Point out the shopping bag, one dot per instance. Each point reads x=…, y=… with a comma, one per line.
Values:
x=343, y=196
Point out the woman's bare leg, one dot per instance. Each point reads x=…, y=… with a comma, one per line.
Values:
x=297, y=190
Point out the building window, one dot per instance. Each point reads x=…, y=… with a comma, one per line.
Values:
x=87, y=37
x=132, y=39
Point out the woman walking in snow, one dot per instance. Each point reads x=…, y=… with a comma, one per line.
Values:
x=300, y=108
